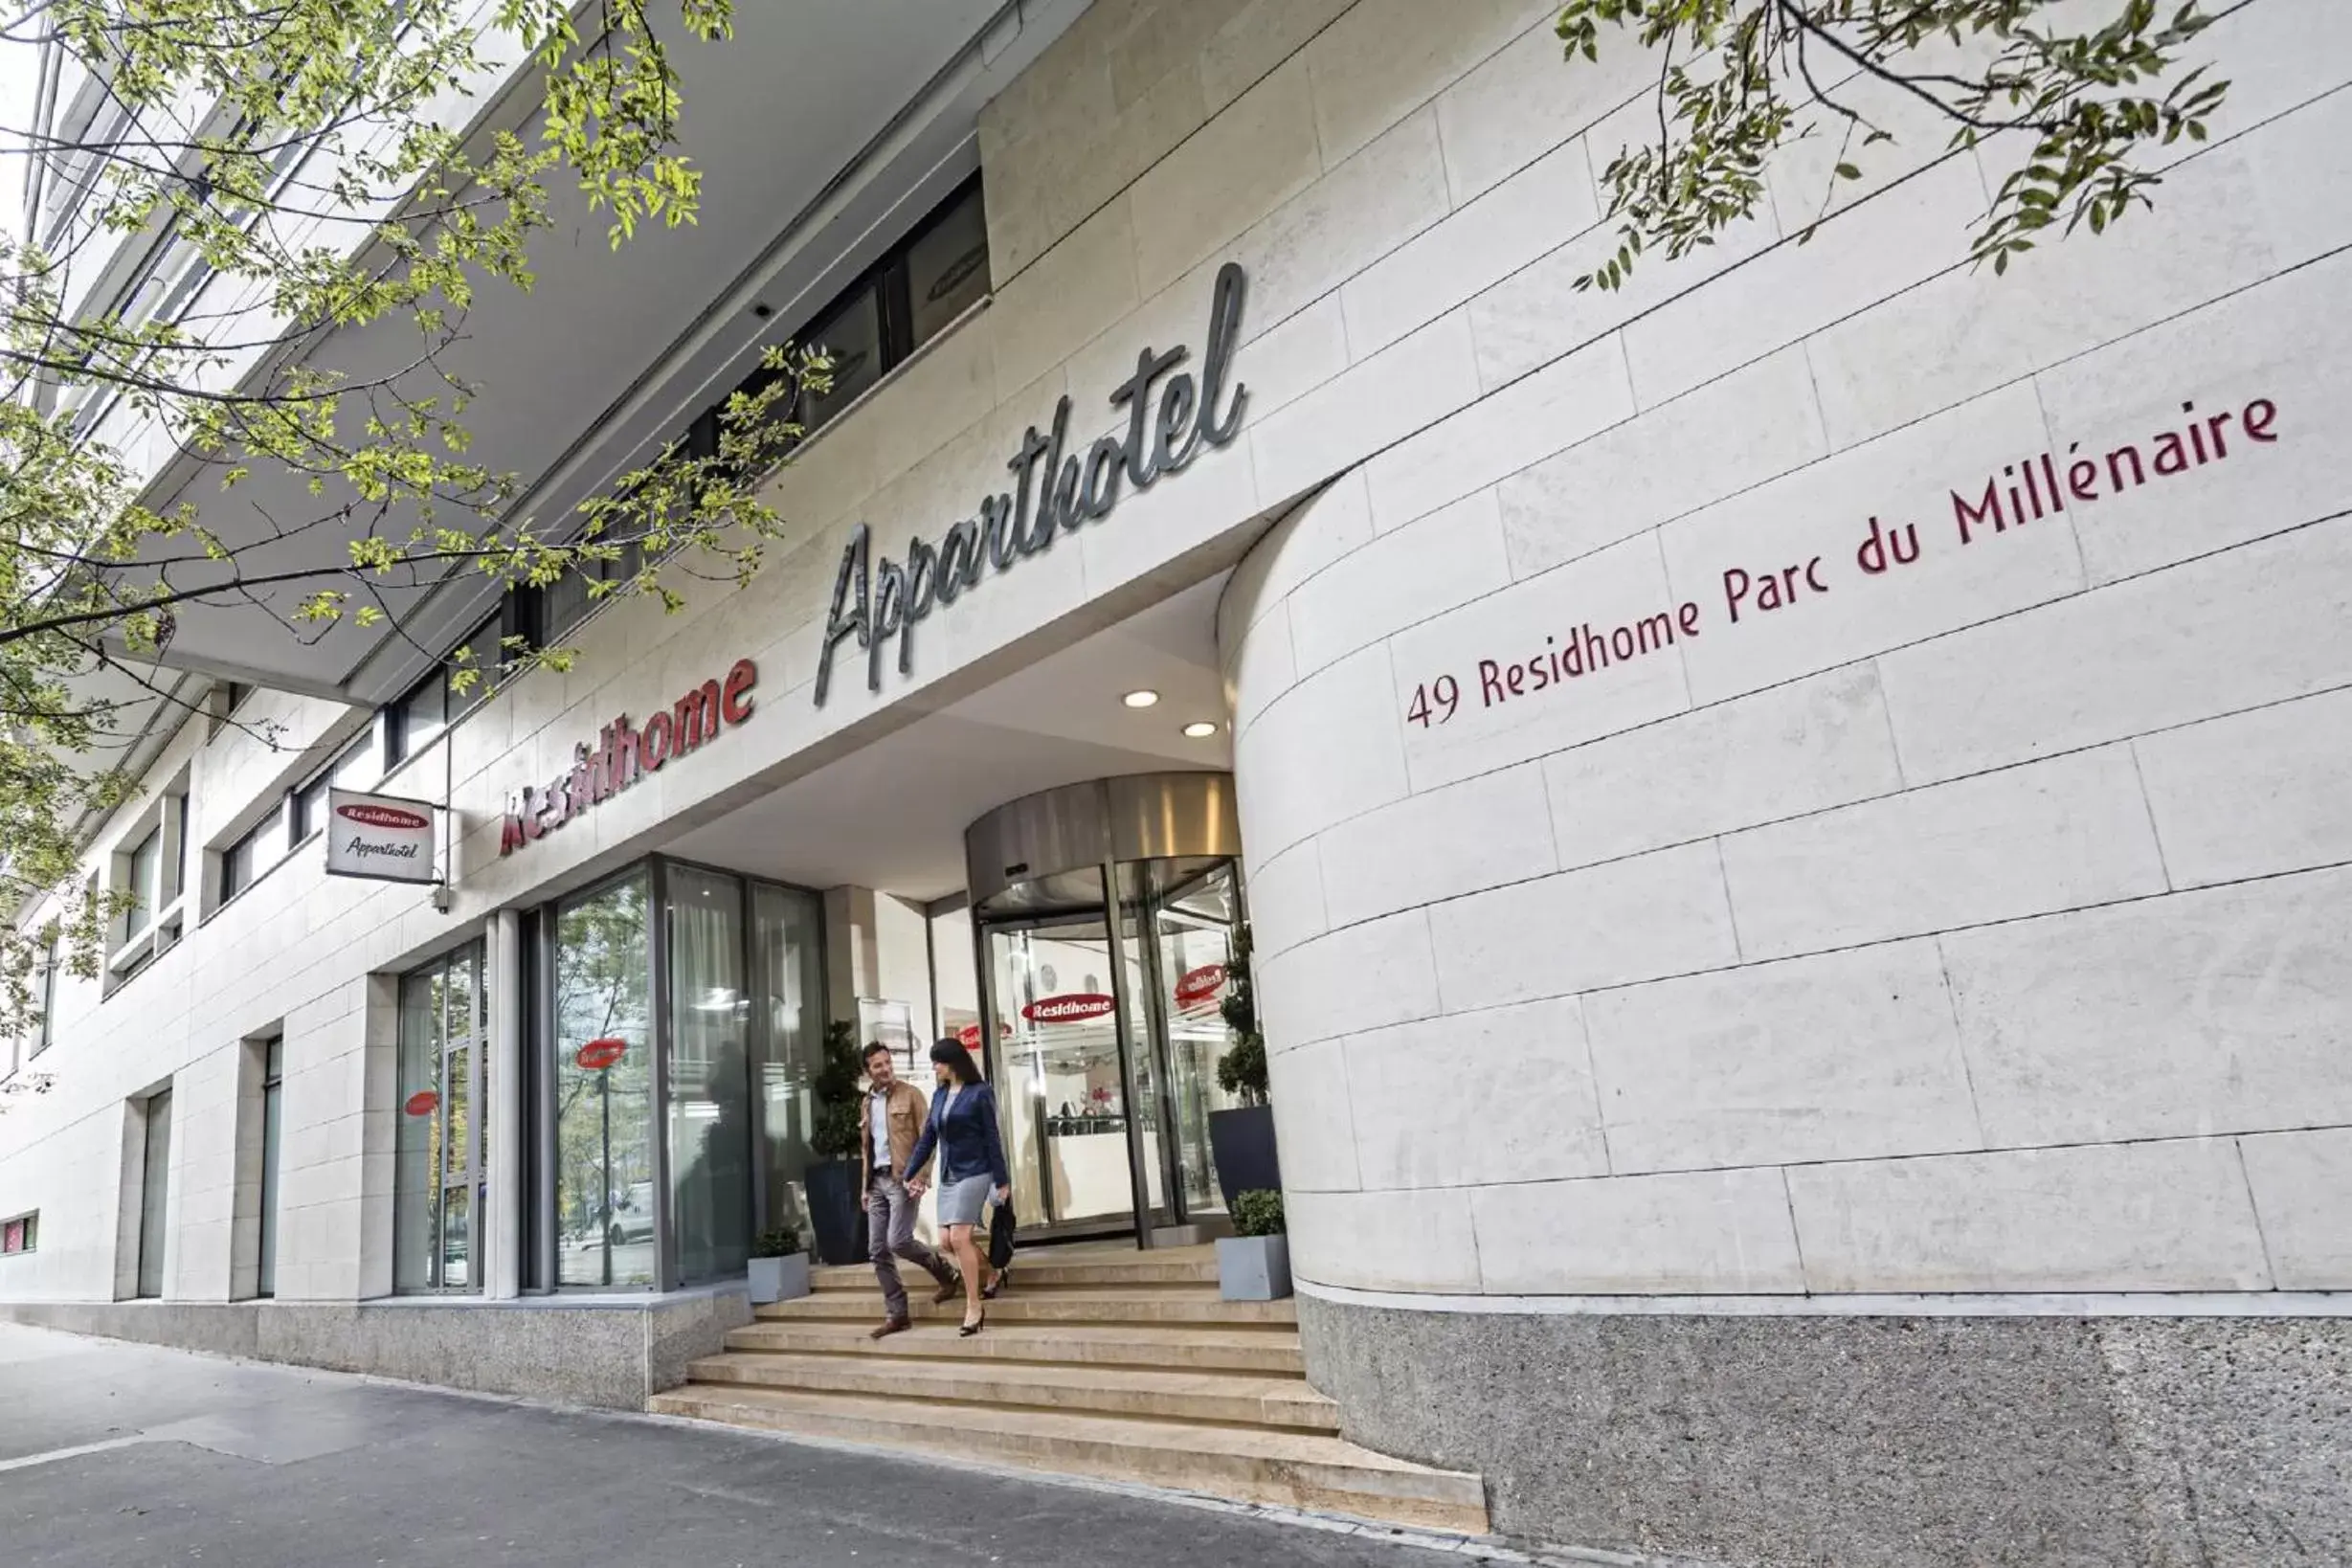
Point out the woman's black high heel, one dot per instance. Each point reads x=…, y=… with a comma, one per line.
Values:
x=972, y=1327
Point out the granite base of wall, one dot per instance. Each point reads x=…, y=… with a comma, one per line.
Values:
x=605, y=1354
x=1871, y=1443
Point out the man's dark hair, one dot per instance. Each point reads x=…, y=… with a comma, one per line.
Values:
x=874, y=1048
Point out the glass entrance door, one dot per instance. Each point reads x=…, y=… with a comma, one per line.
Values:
x=1106, y=1040
x=436, y=1152
x=1190, y=913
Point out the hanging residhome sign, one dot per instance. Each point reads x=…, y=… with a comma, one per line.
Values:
x=1055, y=491
x=379, y=837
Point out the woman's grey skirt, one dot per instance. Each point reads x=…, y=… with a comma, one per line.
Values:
x=960, y=1202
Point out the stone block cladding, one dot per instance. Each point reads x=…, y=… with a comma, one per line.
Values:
x=1811, y=780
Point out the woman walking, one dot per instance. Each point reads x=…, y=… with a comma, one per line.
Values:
x=963, y=1128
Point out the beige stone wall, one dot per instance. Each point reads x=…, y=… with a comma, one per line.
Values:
x=1979, y=926
x=1411, y=188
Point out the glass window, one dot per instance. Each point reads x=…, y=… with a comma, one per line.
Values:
x=955, y=982
x=441, y=697
x=262, y=846
x=852, y=336
x=563, y=604
x=946, y=267
x=788, y=980
x=21, y=1234
x=420, y=715
x=273, y=1078
x=146, y=863
x=603, y=1084
x=709, y=1075
x=155, y=1196
x=45, y=1029
x=355, y=769
x=436, y=1153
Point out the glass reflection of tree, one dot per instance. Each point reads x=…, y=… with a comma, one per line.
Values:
x=601, y=992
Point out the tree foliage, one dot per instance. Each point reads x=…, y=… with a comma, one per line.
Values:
x=308, y=167
x=2082, y=114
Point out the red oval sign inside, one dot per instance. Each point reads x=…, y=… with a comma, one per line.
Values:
x=384, y=817
x=599, y=1054
x=1199, y=985
x=422, y=1103
x=1079, y=1007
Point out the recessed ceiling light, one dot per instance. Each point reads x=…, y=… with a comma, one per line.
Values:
x=1140, y=699
x=1199, y=729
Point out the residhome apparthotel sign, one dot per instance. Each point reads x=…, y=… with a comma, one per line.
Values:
x=1054, y=492
x=621, y=755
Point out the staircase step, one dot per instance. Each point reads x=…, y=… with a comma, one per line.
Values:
x=1143, y=1304
x=1265, y=1352
x=1114, y=1391
x=1293, y=1469
x=1182, y=1267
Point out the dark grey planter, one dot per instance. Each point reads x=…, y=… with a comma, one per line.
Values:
x=1242, y=1143
x=1253, y=1268
x=779, y=1279
x=833, y=1210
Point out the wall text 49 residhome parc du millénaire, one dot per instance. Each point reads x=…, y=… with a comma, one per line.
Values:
x=2022, y=493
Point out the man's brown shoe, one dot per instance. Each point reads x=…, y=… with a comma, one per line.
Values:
x=948, y=1293
x=895, y=1325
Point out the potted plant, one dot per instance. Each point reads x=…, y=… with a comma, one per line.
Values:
x=832, y=1178
x=1242, y=1139
x=780, y=1268
x=1255, y=1265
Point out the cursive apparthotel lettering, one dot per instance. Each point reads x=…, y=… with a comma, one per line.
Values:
x=1054, y=491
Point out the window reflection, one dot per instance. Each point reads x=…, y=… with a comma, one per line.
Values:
x=851, y=337
x=946, y=267
x=604, y=1186
x=709, y=1075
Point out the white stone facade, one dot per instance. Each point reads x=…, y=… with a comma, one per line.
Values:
x=1982, y=924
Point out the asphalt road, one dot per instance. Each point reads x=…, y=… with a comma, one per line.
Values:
x=121, y=1456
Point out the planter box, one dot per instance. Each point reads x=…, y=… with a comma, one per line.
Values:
x=1242, y=1144
x=1253, y=1268
x=835, y=1210
x=779, y=1279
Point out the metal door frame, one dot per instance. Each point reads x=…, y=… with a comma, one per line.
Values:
x=1148, y=1014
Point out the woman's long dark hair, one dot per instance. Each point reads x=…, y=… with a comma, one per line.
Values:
x=958, y=1061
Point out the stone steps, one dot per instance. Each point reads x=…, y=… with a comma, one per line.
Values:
x=1248, y=1463
x=1142, y=1304
x=1236, y=1397
x=1269, y=1352
x=1188, y=1266
x=1101, y=1362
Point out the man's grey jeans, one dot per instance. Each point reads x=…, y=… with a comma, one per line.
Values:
x=889, y=1223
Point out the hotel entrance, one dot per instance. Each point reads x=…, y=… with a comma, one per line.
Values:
x=1104, y=916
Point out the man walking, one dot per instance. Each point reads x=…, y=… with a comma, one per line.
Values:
x=895, y=1112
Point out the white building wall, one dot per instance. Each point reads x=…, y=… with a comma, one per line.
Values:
x=1978, y=926
x=1795, y=824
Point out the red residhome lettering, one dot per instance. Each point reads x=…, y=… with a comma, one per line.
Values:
x=2025, y=492
x=1588, y=653
x=621, y=755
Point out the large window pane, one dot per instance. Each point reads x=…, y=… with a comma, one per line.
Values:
x=273, y=1079
x=956, y=983
x=852, y=337
x=710, y=1082
x=603, y=1078
x=155, y=1196
x=947, y=268
x=144, y=861
x=437, y=1150
x=788, y=983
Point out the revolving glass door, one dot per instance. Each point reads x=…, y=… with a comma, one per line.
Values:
x=1105, y=982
